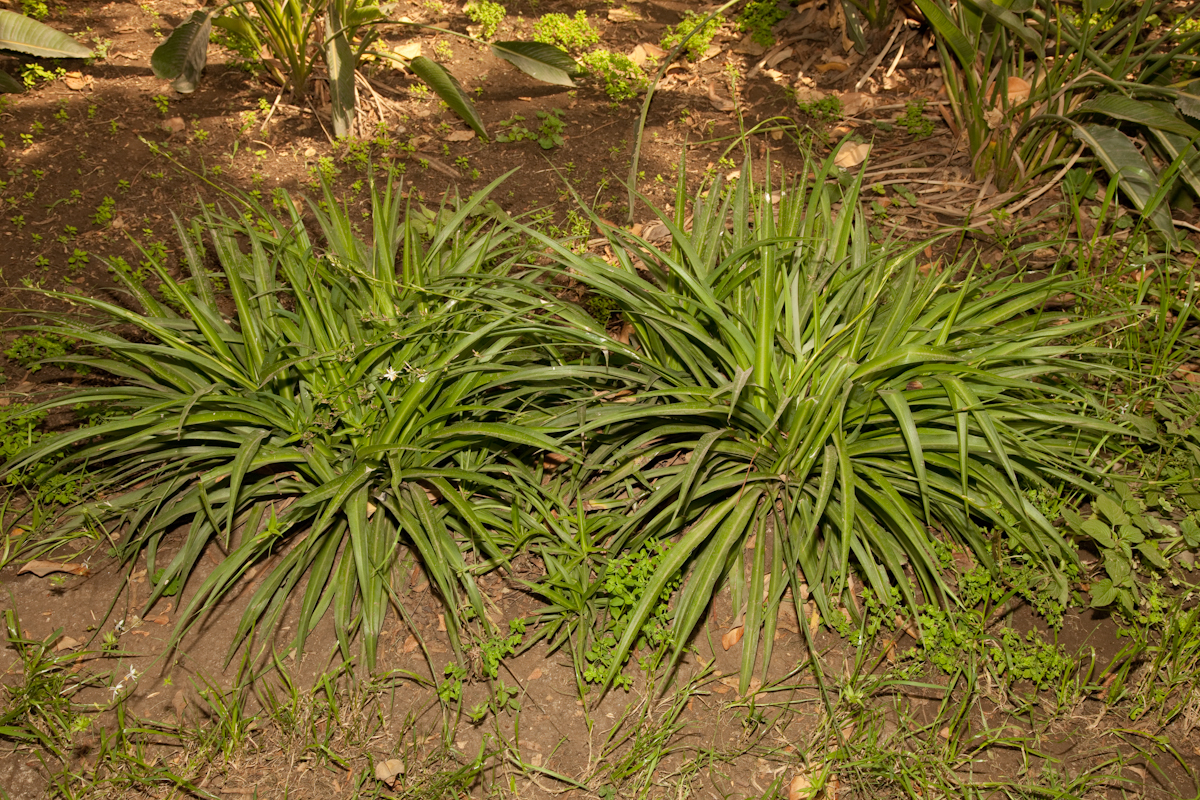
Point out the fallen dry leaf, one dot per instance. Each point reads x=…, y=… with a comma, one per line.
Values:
x=66, y=643
x=44, y=568
x=161, y=619
x=733, y=636
x=832, y=66
x=459, y=136
x=718, y=102
x=1018, y=90
x=778, y=56
x=748, y=47
x=410, y=644
x=441, y=623
x=800, y=787
x=622, y=15
x=533, y=676
x=388, y=771
x=1189, y=373
x=77, y=81
x=855, y=102
x=408, y=50
x=852, y=155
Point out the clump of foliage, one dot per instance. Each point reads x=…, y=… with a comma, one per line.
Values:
x=31, y=351
x=570, y=33
x=548, y=135
x=366, y=395
x=827, y=109
x=699, y=43
x=914, y=121
x=822, y=395
x=758, y=17
x=487, y=15
x=625, y=584
x=623, y=79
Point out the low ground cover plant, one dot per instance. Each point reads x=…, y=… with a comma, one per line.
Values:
x=787, y=380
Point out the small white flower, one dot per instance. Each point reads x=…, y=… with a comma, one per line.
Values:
x=391, y=374
x=116, y=690
x=133, y=674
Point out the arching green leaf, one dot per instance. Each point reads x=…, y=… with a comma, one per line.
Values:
x=448, y=88
x=25, y=35
x=545, y=62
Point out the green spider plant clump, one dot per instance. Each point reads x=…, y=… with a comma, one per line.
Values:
x=804, y=389
x=359, y=398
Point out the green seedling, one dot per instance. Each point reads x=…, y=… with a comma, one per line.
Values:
x=487, y=15
x=698, y=44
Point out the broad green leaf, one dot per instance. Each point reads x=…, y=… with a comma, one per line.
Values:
x=9, y=84
x=182, y=57
x=25, y=35
x=1099, y=532
x=1125, y=163
x=1103, y=593
x=340, y=61
x=545, y=62
x=1151, y=553
x=447, y=87
x=1154, y=115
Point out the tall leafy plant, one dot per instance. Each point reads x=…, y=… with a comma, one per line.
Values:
x=1025, y=77
x=294, y=36
x=361, y=397
x=809, y=406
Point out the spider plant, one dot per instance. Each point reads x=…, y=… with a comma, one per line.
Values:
x=811, y=407
x=350, y=399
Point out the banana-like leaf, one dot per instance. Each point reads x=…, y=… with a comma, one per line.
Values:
x=1188, y=100
x=182, y=57
x=449, y=89
x=25, y=35
x=1125, y=163
x=1156, y=116
x=340, y=61
x=1176, y=147
x=545, y=62
x=9, y=84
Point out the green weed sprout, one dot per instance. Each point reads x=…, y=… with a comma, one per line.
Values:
x=623, y=79
x=487, y=15
x=569, y=33
x=699, y=43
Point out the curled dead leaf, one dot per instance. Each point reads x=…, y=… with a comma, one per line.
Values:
x=853, y=154
x=1018, y=89
x=718, y=102
x=733, y=636
x=410, y=644
x=388, y=771
x=77, y=81
x=44, y=568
